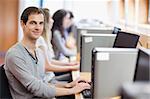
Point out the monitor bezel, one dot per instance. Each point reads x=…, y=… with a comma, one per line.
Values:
x=136, y=67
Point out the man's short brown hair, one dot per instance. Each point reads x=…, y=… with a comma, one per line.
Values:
x=28, y=11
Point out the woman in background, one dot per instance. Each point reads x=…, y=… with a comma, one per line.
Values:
x=60, y=34
x=44, y=43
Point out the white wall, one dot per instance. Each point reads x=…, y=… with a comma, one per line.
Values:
x=89, y=9
x=82, y=9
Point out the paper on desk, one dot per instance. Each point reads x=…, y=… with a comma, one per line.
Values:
x=103, y=56
x=88, y=39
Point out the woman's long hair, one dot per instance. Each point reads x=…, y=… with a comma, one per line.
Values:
x=58, y=17
x=47, y=31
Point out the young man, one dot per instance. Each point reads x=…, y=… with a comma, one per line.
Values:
x=24, y=63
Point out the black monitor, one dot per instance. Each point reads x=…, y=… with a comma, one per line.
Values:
x=126, y=40
x=142, y=70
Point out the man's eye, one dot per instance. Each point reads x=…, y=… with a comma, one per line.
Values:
x=32, y=23
x=41, y=23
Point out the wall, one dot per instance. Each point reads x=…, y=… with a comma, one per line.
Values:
x=8, y=25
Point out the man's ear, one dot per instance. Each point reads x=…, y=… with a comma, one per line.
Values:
x=22, y=23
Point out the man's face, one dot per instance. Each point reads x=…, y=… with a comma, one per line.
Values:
x=34, y=26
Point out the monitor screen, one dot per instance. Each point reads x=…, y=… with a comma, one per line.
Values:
x=126, y=40
x=142, y=71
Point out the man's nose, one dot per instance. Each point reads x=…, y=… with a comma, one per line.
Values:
x=38, y=26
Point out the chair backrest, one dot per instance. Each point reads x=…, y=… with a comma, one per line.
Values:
x=4, y=86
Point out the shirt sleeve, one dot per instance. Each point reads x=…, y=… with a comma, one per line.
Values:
x=61, y=47
x=17, y=66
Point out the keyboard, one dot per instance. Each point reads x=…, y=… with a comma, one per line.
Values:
x=87, y=93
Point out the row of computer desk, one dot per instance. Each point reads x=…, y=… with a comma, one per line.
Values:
x=138, y=68
x=85, y=76
x=90, y=40
x=139, y=73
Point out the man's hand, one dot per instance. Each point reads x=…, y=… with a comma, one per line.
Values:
x=73, y=83
x=80, y=87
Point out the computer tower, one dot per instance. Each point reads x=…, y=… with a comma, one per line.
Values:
x=88, y=42
x=111, y=67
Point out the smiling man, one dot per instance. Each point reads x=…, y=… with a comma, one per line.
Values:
x=24, y=63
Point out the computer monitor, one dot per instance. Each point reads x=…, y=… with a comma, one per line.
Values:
x=126, y=40
x=88, y=42
x=94, y=30
x=111, y=67
x=142, y=71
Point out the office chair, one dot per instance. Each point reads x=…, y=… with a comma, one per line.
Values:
x=4, y=86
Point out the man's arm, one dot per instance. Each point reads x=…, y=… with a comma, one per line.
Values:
x=18, y=68
x=22, y=73
x=74, y=90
